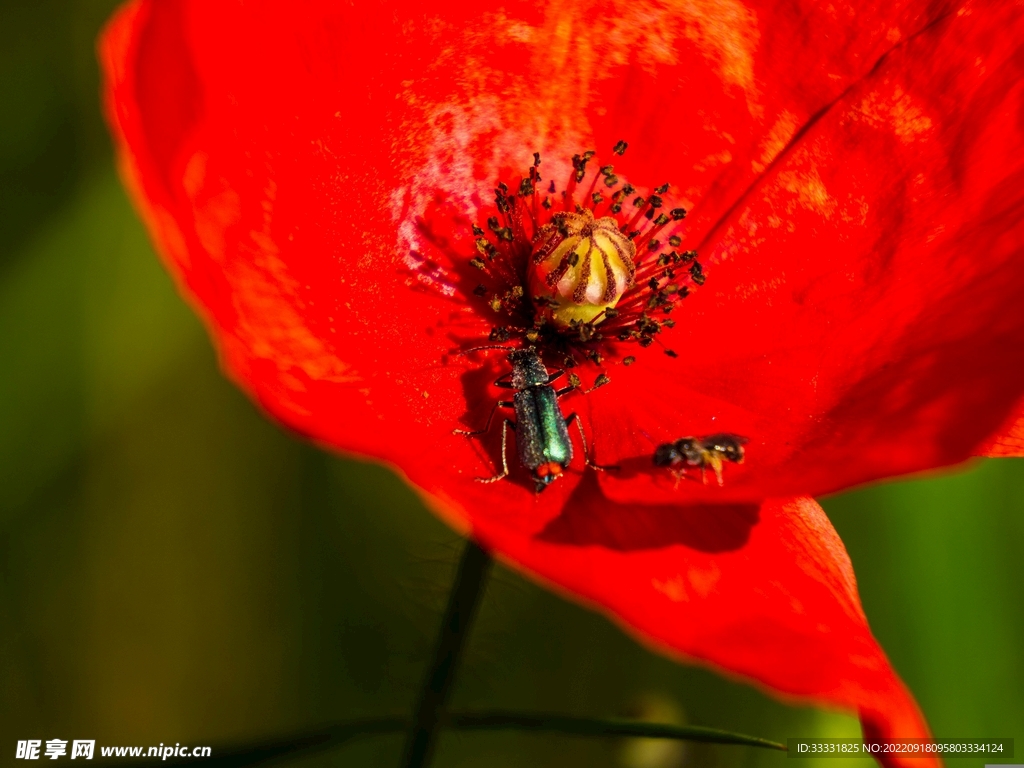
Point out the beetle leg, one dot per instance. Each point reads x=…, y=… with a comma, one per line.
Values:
x=574, y=383
x=504, y=460
x=474, y=432
x=487, y=426
x=572, y=417
x=505, y=382
x=555, y=375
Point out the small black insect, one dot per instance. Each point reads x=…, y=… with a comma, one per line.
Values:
x=703, y=452
x=542, y=432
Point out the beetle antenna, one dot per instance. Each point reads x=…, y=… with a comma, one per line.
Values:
x=489, y=346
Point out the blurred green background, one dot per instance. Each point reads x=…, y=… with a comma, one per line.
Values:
x=174, y=567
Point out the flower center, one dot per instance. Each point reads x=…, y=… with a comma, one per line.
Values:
x=582, y=271
x=580, y=267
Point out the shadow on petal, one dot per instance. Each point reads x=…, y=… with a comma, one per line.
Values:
x=589, y=518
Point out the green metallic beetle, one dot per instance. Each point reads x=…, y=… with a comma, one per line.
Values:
x=542, y=432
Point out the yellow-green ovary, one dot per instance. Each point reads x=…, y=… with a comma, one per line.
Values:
x=586, y=273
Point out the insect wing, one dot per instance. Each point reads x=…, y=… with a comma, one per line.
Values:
x=557, y=445
x=541, y=434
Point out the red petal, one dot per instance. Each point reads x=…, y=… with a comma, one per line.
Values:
x=861, y=344
x=768, y=594
x=283, y=155
x=870, y=277
x=1008, y=439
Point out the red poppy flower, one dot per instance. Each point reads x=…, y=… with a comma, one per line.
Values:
x=853, y=173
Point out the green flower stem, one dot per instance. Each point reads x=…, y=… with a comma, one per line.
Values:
x=462, y=604
x=589, y=726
